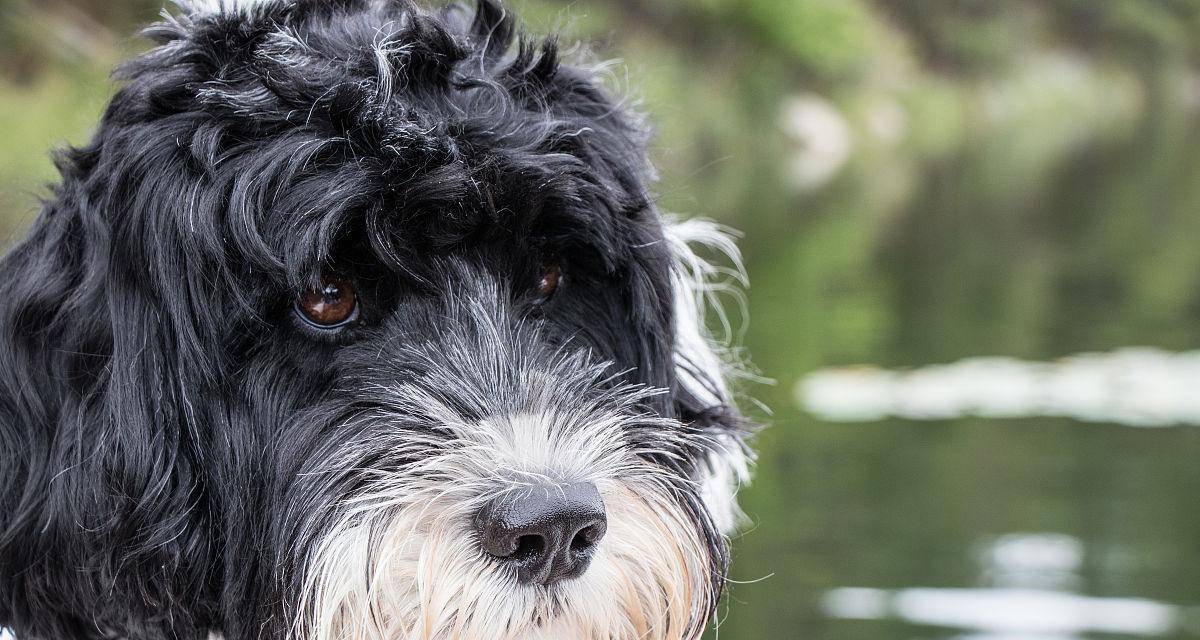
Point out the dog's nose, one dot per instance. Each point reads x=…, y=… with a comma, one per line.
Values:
x=547, y=532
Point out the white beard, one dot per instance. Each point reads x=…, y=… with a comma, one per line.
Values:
x=404, y=562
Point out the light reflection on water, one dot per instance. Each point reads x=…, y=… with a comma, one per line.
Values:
x=1020, y=599
x=1137, y=386
x=1001, y=612
x=1029, y=584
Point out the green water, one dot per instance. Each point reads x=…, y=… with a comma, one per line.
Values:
x=1102, y=253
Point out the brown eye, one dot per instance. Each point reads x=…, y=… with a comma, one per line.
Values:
x=548, y=283
x=331, y=304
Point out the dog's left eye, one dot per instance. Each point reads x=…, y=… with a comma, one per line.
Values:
x=330, y=305
x=550, y=278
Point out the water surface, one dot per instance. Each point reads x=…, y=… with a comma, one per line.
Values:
x=967, y=524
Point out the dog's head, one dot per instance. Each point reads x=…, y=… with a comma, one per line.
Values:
x=359, y=321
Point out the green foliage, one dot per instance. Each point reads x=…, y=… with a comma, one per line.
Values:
x=830, y=37
x=52, y=110
x=1137, y=29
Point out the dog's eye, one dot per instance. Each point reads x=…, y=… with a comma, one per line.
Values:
x=550, y=278
x=330, y=305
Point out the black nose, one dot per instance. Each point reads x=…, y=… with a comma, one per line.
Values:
x=548, y=532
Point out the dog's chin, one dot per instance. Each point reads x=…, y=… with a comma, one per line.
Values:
x=418, y=573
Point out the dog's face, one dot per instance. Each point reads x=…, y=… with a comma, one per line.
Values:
x=358, y=321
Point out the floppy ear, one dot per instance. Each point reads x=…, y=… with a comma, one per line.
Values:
x=98, y=492
x=705, y=363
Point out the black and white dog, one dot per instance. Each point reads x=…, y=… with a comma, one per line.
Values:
x=357, y=321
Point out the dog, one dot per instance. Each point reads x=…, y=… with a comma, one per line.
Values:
x=357, y=320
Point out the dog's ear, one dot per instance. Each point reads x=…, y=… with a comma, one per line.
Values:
x=707, y=364
x=97, y=492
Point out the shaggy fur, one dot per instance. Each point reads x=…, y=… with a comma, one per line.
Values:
x=181, y=455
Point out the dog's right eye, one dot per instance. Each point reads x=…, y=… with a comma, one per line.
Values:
x=330, y=305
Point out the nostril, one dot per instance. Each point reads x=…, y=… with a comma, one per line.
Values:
x=586, y=538
x=529, y=546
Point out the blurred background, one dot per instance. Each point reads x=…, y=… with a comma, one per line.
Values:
x=973, y=233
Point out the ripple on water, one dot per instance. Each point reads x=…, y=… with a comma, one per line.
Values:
x=1141, y=387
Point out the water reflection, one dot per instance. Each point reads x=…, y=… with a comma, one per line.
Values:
x=1068, y=228
x=1136, y=386
x=1023, y=575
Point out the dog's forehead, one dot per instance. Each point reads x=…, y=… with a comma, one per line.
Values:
x=416, y=126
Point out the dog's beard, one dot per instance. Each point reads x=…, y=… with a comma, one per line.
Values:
x=403, y=561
